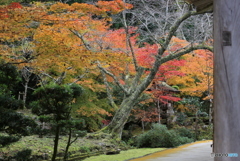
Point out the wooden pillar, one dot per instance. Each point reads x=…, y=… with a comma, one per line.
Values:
x=227, y=78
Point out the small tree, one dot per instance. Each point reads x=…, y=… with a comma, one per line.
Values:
x=73, y=126
x=56, y=100
x=194, y=105
x=13, y=123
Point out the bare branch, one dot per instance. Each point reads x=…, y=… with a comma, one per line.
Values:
x=137, y=78
x=78, y=78
x=114, y=77
x=176, y=25
x=45, y=74
x=87, y=46
x=31, y=88
x=110, y=98
x=188, y=50
x=129, y=41
x=174, y=28
x=61, y=78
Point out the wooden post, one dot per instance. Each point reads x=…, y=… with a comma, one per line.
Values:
x=227, y=78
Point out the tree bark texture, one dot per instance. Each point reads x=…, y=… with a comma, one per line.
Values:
x=56, y=139
x=121, y=117
x=226, y=78
x=68, y=144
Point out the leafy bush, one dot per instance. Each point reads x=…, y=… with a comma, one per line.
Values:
x=13, y=122
x=6, y=140
x=23, y=155
x=84, y=149
x=181, y=118
x=126, y=135
x=160, y=136
x=202, y=114
x=184, y=132
x=206, y=133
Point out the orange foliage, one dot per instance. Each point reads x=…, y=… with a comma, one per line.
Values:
x=149, y=115
x=42, y=37
x=55, y=48
x=198, y=71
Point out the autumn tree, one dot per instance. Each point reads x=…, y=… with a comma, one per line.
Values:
x=73, y=41
x=198, y=78
x=47, y=41
x=162, y=94
x=138, y=82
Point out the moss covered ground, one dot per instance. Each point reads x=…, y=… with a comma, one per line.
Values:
x=84, y=147
x=42, y=148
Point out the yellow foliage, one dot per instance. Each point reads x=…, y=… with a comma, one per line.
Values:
x=182, y=108
x=198, y=76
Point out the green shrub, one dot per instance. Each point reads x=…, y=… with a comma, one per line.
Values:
x=184, y=132
x=160, y=136
x=206, y=133
x=126, y=135
x=6, y=140
x=202, y=114
x=84, y=149
x=23, y=155
x=181, y=118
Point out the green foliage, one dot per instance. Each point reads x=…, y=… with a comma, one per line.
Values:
x=11, y=121
x=9, y=76
x=23, y=155
x=80, y=133
x=84, y=149
x=202, y=114
x=44, y=118
x=55, y=99
x=160, y=136
x=184, y=132
x=181, y=118
x=9, y=102
x=76, y=126
x=6, y=2
x=93, y=107
x=206, y=133
x=6, y=140
x=192, y=103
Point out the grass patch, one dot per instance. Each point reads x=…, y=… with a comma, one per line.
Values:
x=125, y=155
x=40, y=146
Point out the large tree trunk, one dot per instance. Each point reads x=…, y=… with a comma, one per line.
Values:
x=120, y=118
x=226, y=78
